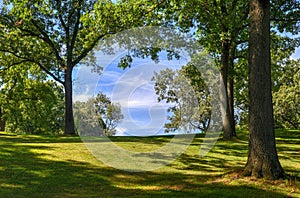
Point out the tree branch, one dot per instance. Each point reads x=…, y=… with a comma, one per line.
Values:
x=76, y=27
x=11, y=65
x=87, y=50
x=30, y=33
x=49, y=73
x=46, y=38
x=24, y=59
x=60, y=16
x=156, y=6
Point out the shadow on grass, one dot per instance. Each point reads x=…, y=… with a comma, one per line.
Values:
x=287, y=136
x=25, y=173
x=15, y=138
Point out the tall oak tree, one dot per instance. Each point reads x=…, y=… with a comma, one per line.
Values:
x=262, y=154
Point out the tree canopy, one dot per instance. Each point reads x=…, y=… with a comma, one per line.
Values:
x=58, y=35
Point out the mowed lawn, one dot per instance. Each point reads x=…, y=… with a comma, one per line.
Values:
x=59, y=166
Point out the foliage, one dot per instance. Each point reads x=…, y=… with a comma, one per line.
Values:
x=220, y=27
x=29, y=102
x=97, y=116
x=286, y=97
x=284, y=78
x=57, y=35
x=85, y=119
x=109, y=114
x=214, y=22
x=285, y=15
x=188, y=96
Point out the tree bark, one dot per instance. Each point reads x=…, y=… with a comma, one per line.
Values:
x=262, y=155
x=69, y=119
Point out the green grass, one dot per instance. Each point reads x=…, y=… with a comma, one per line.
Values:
x=58, y=166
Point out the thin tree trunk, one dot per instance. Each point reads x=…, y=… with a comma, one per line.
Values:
x=231, y=104
x=262, y=155
x=69, y=119
x=230, y=87
x=2, y=121
x=225, y=108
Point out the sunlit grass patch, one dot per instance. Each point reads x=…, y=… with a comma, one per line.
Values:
x=61, y=166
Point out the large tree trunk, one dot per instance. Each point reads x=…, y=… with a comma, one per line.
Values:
x=262, y=155
x=69, y=119
x=227, y=120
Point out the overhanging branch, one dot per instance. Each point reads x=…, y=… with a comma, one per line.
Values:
x=87, y=50
x=46, y=38
x=25, y=59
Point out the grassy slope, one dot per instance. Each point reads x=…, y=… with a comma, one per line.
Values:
x=45, y=166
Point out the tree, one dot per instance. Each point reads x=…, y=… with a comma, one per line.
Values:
x=262, y=155
x=286, y=95
x=109, y=114
x=86, y=119
x=29, y=102
x=97, y=116
x=219, y=27
x=189, y=98
x=58, y=35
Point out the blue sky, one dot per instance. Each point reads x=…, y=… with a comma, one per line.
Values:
x=296, y=55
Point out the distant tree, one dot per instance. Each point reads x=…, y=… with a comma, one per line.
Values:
x=2, y=121
x=97, y=116
x=262, y=155
x=188, y=96
x=109, y=114
x=86, y=119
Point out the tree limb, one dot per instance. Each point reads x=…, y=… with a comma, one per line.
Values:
x=60, y=16
x=24, y=59
x=46, y=38
x=76, y=27
x=48, y=72
x=88, y=49
x=156, y=6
